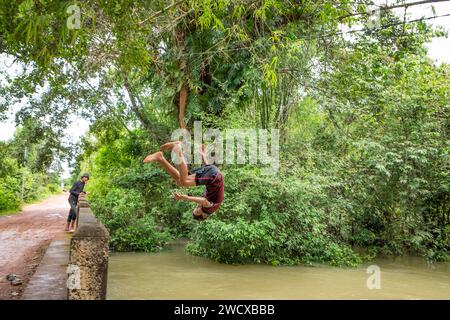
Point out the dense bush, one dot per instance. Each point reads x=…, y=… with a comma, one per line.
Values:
x=134, y=200
x=9, y=194
x=275, y=220
x=39, y=182
x=123, y=213
x=36, y=187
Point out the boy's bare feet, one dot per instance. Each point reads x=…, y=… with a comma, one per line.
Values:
x=169, y=145
x=153, y=157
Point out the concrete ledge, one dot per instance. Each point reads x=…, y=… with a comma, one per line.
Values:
x=88, y=261
x=49, y=280
x=88, y=226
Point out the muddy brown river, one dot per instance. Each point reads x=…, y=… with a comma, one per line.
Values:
x=173, y=274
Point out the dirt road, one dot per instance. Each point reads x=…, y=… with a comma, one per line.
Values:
x=24, y=238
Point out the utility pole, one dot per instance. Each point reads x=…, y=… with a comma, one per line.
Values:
x=23, y=172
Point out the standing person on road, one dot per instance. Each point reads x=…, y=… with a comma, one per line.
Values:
x=75, y=191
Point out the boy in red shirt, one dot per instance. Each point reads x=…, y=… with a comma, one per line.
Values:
x=208, y=175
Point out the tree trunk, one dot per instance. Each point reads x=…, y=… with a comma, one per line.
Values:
x=182, y=105
x=184, y=91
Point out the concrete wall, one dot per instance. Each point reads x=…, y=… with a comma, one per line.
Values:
x=88, y=261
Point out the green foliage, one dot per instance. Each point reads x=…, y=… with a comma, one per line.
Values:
x=9, y=198
x=36, y=186
x=131, y=229
x=274, y=221
x=392, y=149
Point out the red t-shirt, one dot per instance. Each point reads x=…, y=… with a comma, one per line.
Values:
x=214, y=193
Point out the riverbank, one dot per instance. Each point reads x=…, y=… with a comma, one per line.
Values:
x=24, y=237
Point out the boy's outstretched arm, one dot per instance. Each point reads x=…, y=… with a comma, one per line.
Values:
x=199, y=200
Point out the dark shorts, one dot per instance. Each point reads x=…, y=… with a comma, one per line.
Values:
x=205, y=175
